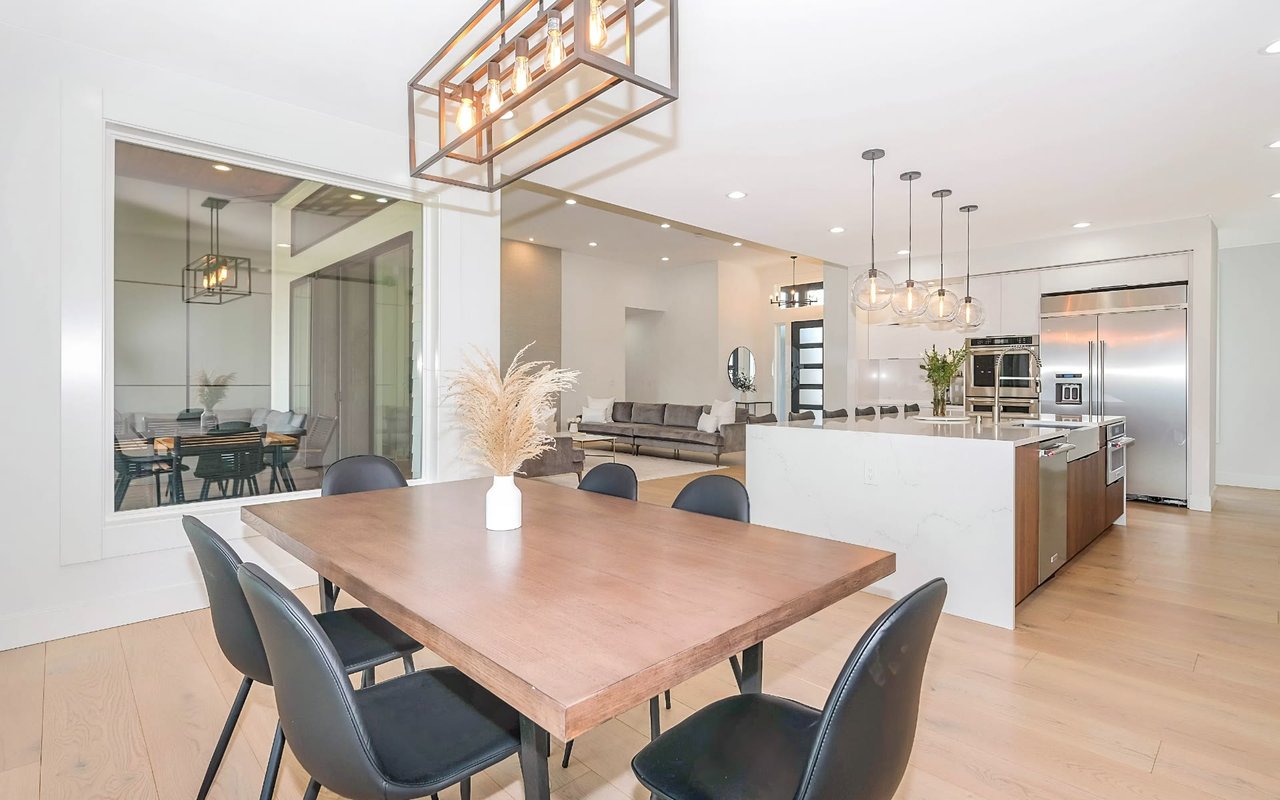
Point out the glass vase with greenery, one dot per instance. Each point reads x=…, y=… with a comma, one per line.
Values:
x=940, y=370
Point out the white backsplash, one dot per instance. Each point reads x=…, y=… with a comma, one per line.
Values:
x=897, y=380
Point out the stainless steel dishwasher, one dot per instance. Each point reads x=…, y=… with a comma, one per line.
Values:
x=1053, y=505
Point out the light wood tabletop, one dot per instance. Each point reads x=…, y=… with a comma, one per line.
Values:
x=595, y=605
x=163, y=444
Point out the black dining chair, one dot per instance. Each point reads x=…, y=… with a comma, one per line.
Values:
x=361, y=639
x=235, y=426
x=364, y=473
x=404, y=738
x=716, y=496
x=888, y=411
x=911, y=408
x=134, y=458
x=617, y=480
x=865, y=411
x=189, y=415
x=230, y=460
x=771, y=748
x=763, y=419
x=839, y=413
x=797, y=416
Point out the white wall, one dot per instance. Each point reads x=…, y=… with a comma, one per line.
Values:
x=1250, y=380
x=69, y=564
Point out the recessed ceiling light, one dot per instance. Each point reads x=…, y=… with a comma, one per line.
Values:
x=570, y=202
x=665, y=225
x=592, y=244
x=737, y=244
x=664, y=258
x=282, y=244
x=531, y=238
x=1275, y=145
x=382, y=200
x=837, y=229
x=1082, y=224
x=904, y=252
x=1276, y=196
x=222, y=167
x=356, y=196
x=736, y=195
x=1272, y=49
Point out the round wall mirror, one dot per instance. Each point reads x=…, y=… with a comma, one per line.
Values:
x=742, y=369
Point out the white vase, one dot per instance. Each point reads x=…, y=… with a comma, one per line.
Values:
x=502, y=504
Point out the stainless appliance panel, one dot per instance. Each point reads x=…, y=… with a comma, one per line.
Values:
x=1144, y=379
x=1053, y=506
x=1067, y=365
x=1109, y=300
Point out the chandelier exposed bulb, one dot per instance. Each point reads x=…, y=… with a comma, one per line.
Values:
x=493, y=94
x=597, y=30
x=555, y=42
x=466, y=119
x=521, y=76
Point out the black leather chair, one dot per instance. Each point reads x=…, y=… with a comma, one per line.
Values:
x=617, y=480
x=839, y=413
x=405, y=738
x=366, y=473
x=865, y=411
x=361, y=640
x=793, y=416
x=717, y=496
x=911, y=408
x=769, y=748
x=888, y=411
x=763, y=419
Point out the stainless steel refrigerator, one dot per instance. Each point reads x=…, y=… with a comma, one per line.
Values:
x=1124, y=352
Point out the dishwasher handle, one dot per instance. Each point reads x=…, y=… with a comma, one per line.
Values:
x=1057, y=449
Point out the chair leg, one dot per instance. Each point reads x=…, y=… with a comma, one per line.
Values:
x=220, y=749
x=313, y=790
x=157, y=490
x=667, y=695
x=122, y=486
x=253, y=485
x=655, y=720
x=408, y=664
x=568, y=751
x=287, y=475
x=465, y=788
x=737, y=669
x=273, y=765
x=366, y=678
x=204, y=490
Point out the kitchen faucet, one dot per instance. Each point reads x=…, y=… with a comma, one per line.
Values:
x=995, y=407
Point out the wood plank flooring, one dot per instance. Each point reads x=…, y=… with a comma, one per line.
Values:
x=1149, y=668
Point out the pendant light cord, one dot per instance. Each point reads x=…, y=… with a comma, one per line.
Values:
x=873, y=215
x=911, y=193
x=942, y=201
x=967, y=218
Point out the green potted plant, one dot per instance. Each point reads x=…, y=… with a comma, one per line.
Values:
x=940, y=370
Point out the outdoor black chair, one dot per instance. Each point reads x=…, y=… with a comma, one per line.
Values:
x=190, y=414
x=770, y=748
x=133, y=459
x=404, y=738
x=230, y=460
x=617, y=480
x=360, y=639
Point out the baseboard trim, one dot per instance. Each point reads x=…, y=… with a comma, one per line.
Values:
x=1249, y=480
x=48, y=624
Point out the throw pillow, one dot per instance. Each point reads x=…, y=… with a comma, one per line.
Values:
x=594, y=415
x=708, y=423
x=726, y=411
x=602, y=402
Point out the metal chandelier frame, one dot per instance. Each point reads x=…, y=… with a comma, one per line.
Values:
x=469, y=67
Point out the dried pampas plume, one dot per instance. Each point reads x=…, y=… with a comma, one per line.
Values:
x=505, y=415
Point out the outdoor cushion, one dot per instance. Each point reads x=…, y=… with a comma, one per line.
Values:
x=682, y=416
x=650, y=413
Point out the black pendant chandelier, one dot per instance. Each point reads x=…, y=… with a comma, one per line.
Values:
x=797, y=295
x=215, y=277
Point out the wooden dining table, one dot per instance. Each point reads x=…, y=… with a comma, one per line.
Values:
x=595, y=605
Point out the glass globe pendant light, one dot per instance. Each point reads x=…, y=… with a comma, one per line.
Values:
x=909, y=299
x=873, y=290
x=942, y=305
x=971, y=314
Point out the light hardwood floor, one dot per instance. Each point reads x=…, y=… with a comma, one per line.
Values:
x=1149, y=668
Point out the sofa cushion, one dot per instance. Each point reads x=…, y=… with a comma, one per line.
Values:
x=606, y=428
x=674, y=435
x=678, y=416
x=259, y=417
x=650, y=413
x=622, y=412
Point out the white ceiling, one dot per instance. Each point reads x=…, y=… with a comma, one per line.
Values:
x=539, y=214
x=1117, y=113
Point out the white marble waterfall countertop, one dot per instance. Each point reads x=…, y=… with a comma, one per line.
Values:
x=1012, y=432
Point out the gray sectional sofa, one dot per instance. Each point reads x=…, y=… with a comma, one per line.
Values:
x=670, y=426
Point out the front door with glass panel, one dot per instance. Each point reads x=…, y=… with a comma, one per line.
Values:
x=806, y=366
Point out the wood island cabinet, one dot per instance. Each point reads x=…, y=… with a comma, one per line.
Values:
x=1087, y=515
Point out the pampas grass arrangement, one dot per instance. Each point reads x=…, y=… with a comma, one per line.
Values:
x=505, y=415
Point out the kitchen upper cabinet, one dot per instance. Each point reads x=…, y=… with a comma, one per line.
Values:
x=1020, y=304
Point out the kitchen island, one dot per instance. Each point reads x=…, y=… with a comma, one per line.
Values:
x=960, y=500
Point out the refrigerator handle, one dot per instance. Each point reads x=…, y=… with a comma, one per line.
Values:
x=1102, y=377
x=1089, y=388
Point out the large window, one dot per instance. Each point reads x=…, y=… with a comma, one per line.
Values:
x=264, y=327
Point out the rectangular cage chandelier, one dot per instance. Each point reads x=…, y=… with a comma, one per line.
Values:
x=518, y=88
x=216, y=278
